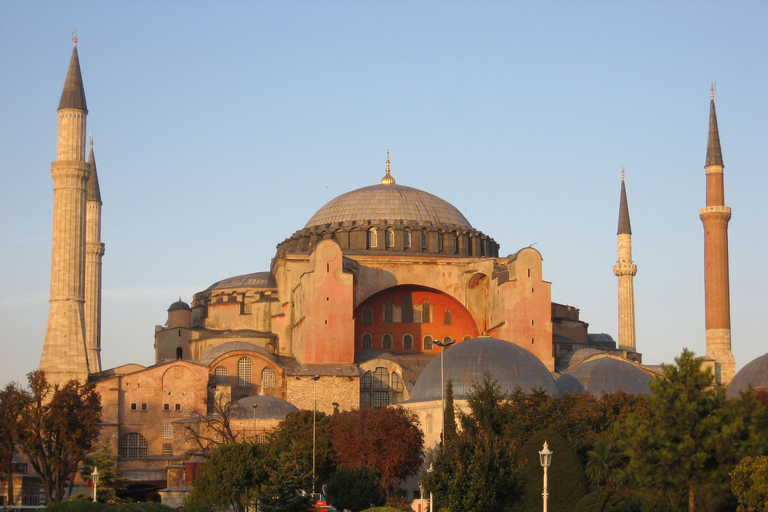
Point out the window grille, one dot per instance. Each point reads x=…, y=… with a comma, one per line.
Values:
x=372, y=239
x=367, y=341
x=367, y=316
x=167, y=431
x=427, y=342
x=386, y=342
x=407, y=342
x=244, y=373
x=220, y=375
x=133, y=446
x=380, y=378
x=268, y=378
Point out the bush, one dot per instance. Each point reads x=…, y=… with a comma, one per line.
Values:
x=355, y=489
x=75, y=506
x=605, y=501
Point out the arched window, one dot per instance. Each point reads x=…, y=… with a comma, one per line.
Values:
x=386, y=342
x=466, y=337
x=179, y=353
x=397, y=383
x=132, y=446
x=446, y=339
x=388, y=308
x=406, y=310
x=427, y=342
x=407, y=342
x=426, y=314
x=220, y=375
x=367, y=316
x=424, y=239
x=244, y=373
x=429, y=423
x=366, y=381
x=268, y=378
x=372, y=238
x=407, y=239
x=367, y=340
x=439, y=242
x=447, y=317
x=380, y=378
x=390, y=240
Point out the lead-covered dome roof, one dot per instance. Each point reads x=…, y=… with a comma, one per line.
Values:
x=604, y=375
x=390, y=202
x=466, y=363
x=264, y=407
x=755, y=372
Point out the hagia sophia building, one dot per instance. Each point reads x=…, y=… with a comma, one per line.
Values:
x=350, y=314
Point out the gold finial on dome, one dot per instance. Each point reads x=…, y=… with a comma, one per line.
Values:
x=388, y=179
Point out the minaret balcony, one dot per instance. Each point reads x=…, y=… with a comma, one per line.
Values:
x=625, y=269
x=715, y=211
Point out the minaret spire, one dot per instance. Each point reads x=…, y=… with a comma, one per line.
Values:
x=94, y=251
x=64, y=352
x=625, y=270
x=715, y=216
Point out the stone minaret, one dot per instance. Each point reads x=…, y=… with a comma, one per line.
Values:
x=94, y=250
x=64, y=352
x=715, y=217
x=625, y=270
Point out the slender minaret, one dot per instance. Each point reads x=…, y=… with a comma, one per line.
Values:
x=94, y=250
x=715, y=217
x=625, y=270
x=64, y=353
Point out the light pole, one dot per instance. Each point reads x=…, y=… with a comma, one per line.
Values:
x=443, y=345
x=95, y=477
x=546, y=459
x=314, y=427
x=255, y=436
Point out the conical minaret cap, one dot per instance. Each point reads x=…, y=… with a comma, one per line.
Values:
x=73, y=95
x=624, y=226
x=93, y=193
x=714, y=154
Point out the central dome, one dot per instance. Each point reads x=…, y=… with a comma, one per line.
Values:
x=388, y=203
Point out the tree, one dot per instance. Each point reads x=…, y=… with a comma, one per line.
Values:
x=355, y=489
x=110, y=482
x=11, y=404
x=749, y=482
x=450, y=414
x=232, y=476
x=294, y=435
x=388, y=439
x=692, y=437
x=288, y=480
x=606, y=464
x=213, y=430
x=57, y=428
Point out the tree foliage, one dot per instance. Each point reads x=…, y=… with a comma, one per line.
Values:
x=215, y=429
x=749, y=482
x=57, y=428
x=450, y=414
x=294, y=435
x=691, y=439
x=232, y=476
x=11, y=405
x=387, y=439
x=110, y=482
x=355, y=489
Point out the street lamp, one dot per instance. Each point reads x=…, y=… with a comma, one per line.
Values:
x=314, y=427
x=545, y=455
x=443, y=345
x=95, y=478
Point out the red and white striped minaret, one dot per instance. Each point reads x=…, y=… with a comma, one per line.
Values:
x=715, y=217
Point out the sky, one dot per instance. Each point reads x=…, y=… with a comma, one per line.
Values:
x=220, y=128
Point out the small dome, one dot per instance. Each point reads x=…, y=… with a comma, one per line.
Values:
x=467, y=362
x=755, y=372
x=604, y=375
x=264, y=407
x=388, y=202
x=179, y=305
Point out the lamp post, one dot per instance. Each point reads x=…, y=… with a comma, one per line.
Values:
x=443, y=345
x=545, y=455
x=314, y=426
x=95, y=478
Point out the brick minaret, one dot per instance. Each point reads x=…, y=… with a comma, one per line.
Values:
x=715, y=217
x=64, y=353
x=625, y=270
x=94, y=250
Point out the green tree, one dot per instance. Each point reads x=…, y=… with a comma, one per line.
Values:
x=288, y=481
x=606, y=464
x=692, y=437
x=294, y=435
x=11, y=405
x=57, y=428
x=232, y=476
x=450, y=414
x=749, y=482
x=110, y=481
x=387, y=439
x=355, y=489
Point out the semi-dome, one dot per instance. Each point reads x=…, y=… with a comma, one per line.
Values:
x=510, y=365
x=604, y=375
x=755, y=372
x=264, y=407
x=389, y=202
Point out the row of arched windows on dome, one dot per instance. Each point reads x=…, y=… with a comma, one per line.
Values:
x=390, y=241
x=380, y=388
x=407, y=341
x=244, y=366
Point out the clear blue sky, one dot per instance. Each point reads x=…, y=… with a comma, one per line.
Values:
x=220, y=128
